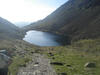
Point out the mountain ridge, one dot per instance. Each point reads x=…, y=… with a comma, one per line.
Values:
x=77, y=19
x=8, y=30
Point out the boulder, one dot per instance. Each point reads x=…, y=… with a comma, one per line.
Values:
x=4, y=60
x=53, y=57
x=36, y=62
x=51, y=54
x=90, y=65
x=4, y=71
x=62, y=73
x=4, y=51
x=69, y=66
x=32, y=52
x=57, y=63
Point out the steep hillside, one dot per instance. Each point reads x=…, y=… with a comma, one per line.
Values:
x=9, y=34
x=78, y=19
x=9, y=30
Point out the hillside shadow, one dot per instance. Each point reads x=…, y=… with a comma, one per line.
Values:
x=3, y=71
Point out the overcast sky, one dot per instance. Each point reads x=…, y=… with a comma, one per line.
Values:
x=28, y=10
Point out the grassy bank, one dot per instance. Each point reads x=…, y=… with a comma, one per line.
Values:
x=73, y=58
x=19, y=51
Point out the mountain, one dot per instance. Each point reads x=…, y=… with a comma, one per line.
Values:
x=22, y=24
x=9, y=30
x=78, y=19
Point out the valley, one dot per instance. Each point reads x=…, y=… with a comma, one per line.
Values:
x=75, y=20
x=78, y=53
x=40, y=38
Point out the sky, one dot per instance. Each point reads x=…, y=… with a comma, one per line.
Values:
x=28, y=10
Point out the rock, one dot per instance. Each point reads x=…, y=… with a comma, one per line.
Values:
x=90, y=65
x=53, y=57
x=51, y=54
x=3, y=51
x=4, y=60
x=69, y=66
x=23, y=65
x=36, y=62
x=36, y=65
x=4, y=71
x=62, y=73
x=58, y=69
x=32, y=52
x=57, y=63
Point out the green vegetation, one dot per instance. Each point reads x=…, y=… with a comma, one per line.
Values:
x=75, y=56
x=17, y=62
x=72, y=57
x=77, y=19
x=20, y=53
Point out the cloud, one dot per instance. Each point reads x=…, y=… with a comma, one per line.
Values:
x=23, y=10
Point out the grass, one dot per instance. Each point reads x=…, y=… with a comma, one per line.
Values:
x=19, y=51
x=17, y=62
x=77, y=60
x=75, y=57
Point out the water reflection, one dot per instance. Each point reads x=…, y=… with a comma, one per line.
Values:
x=41, y=38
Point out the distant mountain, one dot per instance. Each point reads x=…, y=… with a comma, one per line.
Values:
x=78, y=19
x=22, y=24
x=9, y=30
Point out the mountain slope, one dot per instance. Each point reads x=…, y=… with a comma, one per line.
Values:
x=9, y=30
x=22, y=24
x=78, y=19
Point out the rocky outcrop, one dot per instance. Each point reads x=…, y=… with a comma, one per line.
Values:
x=57, y=63
x=38, y=66
x=62, y=73
x=90, y=65
x=4, y=62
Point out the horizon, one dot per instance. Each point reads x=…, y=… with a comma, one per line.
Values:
x=28, y=10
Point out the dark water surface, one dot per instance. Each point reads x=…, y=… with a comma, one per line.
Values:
x=42, y=38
